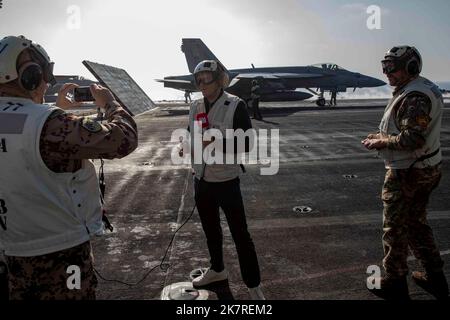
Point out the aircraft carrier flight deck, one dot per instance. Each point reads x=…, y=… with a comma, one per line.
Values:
x=316, y=224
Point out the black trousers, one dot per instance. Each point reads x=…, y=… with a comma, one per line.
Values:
x=256, y=112
x=209, y=197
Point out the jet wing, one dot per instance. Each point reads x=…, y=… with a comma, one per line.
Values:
x=278, y=76
x=177, y=84
x=272, y=78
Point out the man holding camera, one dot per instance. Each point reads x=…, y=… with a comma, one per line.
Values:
x=49, y=191
x=409, y=142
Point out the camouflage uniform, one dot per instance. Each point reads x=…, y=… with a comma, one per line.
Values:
x=45, y=277
x=406, y=193
x=66, y=140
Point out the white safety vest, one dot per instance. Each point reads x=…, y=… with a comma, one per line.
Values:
x=400, y=159
x=220, y=116
x=41, y=211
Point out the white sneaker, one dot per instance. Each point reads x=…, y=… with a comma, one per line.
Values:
x=209, y=277
x=256, y=293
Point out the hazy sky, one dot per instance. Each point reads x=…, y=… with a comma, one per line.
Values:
x=144, y=37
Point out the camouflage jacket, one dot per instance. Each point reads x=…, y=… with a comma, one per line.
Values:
x=67, y=139
x=412, y=118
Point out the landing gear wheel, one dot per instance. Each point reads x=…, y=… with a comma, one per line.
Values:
x=321, y=102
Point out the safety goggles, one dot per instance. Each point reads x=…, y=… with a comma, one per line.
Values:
x=389, y=66
x=205, y=78
x=48, y=74
x=47, y=68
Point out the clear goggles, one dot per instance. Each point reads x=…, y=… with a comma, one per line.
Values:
x=390, y=66
x=205, y=78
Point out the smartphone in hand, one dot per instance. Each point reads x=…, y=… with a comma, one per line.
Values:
x=82, y=94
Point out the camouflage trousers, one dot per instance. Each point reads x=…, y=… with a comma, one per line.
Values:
x=405, y=197
x=45, y=277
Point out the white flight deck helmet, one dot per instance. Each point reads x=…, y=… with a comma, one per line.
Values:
x=212, y=66
x=403, y=57
x=31, y=73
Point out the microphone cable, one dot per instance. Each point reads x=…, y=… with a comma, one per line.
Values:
x=162, y=265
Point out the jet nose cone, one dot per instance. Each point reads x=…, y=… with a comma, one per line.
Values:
x=374, y=82
x=380, y=83
x=371, y=82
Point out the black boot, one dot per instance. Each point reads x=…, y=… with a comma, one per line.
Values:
x=434, y=283
x=392, y=289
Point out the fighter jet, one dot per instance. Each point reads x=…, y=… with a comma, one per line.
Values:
x=276, y=83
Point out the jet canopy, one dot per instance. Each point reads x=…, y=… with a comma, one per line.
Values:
x=328, y=66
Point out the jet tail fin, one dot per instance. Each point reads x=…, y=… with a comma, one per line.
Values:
x=196, y=51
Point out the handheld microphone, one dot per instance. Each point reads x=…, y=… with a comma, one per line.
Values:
x=203, y=118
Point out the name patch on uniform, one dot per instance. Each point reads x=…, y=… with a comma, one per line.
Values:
x=91, y=125
x=12, y=123
x=423, y=121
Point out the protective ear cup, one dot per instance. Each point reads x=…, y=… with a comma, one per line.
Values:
x=30, y=76
x=412, y=64
x=413, y=67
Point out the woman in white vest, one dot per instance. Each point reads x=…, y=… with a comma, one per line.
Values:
x=218, y=185
x=409, y=142
x=50, y=203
